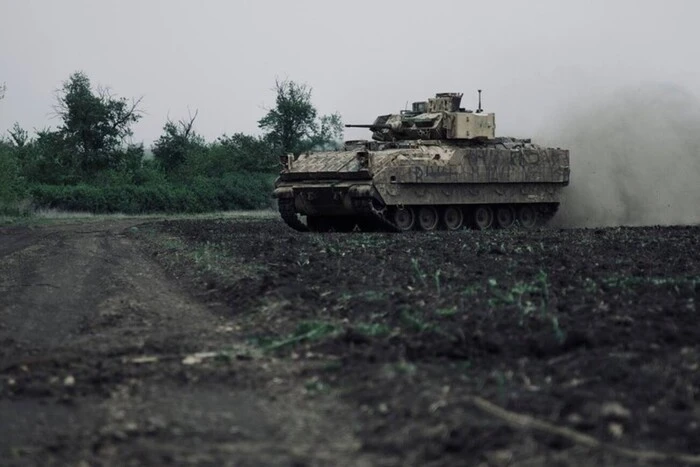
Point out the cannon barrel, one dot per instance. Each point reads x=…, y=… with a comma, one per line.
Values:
x=372, y=127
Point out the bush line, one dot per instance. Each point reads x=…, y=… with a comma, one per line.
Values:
x=239, y=191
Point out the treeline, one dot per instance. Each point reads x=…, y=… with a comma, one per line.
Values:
x=88, y=164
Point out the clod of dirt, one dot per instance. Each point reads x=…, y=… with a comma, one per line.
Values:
x=197, y=358
x=548, y=344
x=354, y=336
x=490, y=343
x=501, y=457
x=616, y=430
x=614, y=410
x=144, y=359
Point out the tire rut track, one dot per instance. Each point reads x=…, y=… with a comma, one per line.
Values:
x=81, y=307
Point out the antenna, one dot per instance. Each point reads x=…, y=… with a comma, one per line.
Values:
x=479, y=110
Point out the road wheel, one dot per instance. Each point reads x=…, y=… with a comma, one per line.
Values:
x=483, y=217
x=428, y=218
x=404, y=218
x=545, y=212
x=527, y=217
x=453, y=217
x=505, y=216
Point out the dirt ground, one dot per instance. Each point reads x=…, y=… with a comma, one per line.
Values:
x=242, y=342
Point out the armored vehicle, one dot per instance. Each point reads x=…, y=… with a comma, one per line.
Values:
x=436, y=166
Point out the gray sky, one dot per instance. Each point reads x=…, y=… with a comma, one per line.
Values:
x=532, y=58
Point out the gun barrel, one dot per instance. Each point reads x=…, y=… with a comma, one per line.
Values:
x=371, y=126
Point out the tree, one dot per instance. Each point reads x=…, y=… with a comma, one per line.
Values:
x=241, y=152
x=179, y=139
x=293, y=125
x=12, y=184
x=95, y=124
x=51, y=160
x=22, y=146
x=18, y=136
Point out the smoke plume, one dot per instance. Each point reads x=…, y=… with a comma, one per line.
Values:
x=635, y=159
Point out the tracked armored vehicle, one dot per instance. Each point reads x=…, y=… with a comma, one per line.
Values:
x=436, y=166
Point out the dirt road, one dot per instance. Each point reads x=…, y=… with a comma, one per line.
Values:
x=240, y=342
x=100, y=364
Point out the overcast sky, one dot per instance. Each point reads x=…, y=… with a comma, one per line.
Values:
x=362, y=58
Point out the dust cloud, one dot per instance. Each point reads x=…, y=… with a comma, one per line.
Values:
x=635, y=158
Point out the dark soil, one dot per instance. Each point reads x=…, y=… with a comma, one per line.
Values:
x=348, y=349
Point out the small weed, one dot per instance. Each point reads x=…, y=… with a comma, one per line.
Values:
x=473, y=289
x=332, y=366
x=401, y=368
x=632, y=281
x=209, y=258
x=590, y=286
x=327, y=246
x=545, y=311
x=373, y=295
x=464, y=367
x=260, y=341
x=306, y=331
x=420, y=275
x=416, y=322
x=316, y=386
x=446, y=312
x=501, y=386
x=515, y=296
x=531, y=299
x=558, y=332
x=523, y=249
x=172, y=244
x=373, y=329
x=368, y=295
x=224, y=357
x=423, y=277
x=406, y=368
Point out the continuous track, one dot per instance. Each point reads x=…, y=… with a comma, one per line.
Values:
x=373, y=218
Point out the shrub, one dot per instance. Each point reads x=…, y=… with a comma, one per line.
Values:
x=232, y=192
x=12, y=184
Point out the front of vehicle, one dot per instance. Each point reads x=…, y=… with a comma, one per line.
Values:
x=335, y=186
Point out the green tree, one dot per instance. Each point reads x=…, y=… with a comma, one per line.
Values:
x=241, y=152
x=177, y=143
x=51, y=160
x=12, y=184
x=293, y=125
x=95, y=126
x=22, y=146
x=19, y=137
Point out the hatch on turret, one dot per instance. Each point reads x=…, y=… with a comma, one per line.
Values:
x=445, y=102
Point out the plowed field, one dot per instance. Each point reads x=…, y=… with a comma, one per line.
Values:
x=241, y=342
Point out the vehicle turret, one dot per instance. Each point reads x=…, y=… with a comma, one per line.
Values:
x=438, y=118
